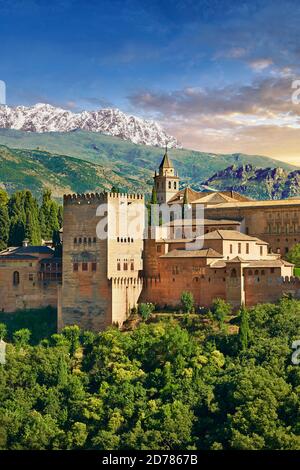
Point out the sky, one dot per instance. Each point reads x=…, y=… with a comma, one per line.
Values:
x=217, y=74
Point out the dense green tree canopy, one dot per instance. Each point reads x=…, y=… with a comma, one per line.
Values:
x=22, y=218
x=165, y=385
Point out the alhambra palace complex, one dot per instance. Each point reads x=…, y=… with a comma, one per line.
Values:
x=99, y=281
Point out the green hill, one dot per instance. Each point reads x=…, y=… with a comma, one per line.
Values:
x=47, y=159
x=35, y=170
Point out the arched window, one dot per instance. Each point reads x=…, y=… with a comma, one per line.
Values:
x=75, y=241
x=174, y=184
x=16, y=278
x=170, y=184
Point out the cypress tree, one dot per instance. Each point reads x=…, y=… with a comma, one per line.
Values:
x=244, y=329
x=48, y=216
x=4, y=227
x=153, y=215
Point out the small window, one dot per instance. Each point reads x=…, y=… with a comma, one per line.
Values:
x=261, y=250
x=80, y=240
x=94, y=267
x=233, y=273
x=247, y=248
x=30, y=276
x=94, y=240
x=85, y=240
x=158, y=248
x=174, y=184
x=170, y=184
x=118, y=266
x=89, y=240
x=84, y=266
x=132, y=266
x=231, y=249
x=16, y=278
x=75, y=241
x=239, y=248
x=75, y=267
x=125, y=266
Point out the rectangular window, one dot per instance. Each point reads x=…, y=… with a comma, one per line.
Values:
x=30, y=276
x=75, y=267
x=231, y=249
x=239, y=248
x=84, y=266
x=132, y=266
x=261, y=251
x=247, y=248
x=125, y=266
x=94, y=267
x=158, y=248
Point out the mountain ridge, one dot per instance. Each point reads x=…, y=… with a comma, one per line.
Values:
x=267, y=183
x=43, y=117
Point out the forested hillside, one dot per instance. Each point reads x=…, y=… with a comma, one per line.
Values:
x=166, y=385
x=82, y=161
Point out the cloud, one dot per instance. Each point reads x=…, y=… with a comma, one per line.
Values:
x=255, y=118
x=260, y=64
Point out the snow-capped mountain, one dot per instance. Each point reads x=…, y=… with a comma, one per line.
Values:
x=47, y=118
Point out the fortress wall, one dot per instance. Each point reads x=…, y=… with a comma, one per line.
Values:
x=86, y=294
x=28, y=293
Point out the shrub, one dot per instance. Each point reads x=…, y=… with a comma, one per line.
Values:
x=145, y=310
x=187, y=301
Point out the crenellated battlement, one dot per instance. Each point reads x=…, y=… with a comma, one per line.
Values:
x=84, y=198
x=127, y=281
x=88, y=198
x=134, y=196
x=290, y=281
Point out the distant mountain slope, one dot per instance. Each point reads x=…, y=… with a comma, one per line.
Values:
x=46, y=118
x=258, y=183
x=36, y=170
x=129, y=159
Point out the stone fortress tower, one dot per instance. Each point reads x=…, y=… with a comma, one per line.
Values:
x=102, y=276
x=166, y=182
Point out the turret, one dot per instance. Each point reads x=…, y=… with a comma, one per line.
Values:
x=166, y=182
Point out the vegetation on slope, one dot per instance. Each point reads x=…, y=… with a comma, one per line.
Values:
x=258, y=183
x=104, y=161
x=161, y=386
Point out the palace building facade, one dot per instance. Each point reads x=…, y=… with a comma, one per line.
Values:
x=239, y=257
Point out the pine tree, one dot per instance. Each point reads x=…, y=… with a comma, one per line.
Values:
x=153, y=206
x=244, y=329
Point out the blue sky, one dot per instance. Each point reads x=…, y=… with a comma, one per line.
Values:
x=216, y=74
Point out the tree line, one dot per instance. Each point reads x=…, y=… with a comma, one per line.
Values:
x=22, y=217
x=194, y=383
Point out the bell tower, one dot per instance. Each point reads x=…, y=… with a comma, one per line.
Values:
x=166, y=181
